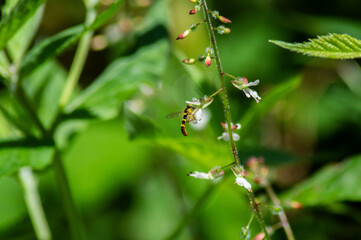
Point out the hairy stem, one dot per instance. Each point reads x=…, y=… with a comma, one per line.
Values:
x=33, y=203
x=284, y=221
x=76, y=226
x=227, y=112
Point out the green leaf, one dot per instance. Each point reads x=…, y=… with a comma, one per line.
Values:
x=14, y=158
x=336, y=46
x=16, y=18
x=334, y=183
x=205, y=153
x=121, y=79
x=43, y=90
x=22, y=39
x=254, y=114
x=138, y=126
x=58, y=43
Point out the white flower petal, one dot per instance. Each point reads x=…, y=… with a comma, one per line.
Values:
x=255, y=83
x=236, y=137
x=243, y=183
x=199, y=175
x=254, y=94
x=238, y=126
x=246, y=91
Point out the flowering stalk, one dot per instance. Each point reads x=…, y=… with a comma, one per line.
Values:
x=227, y=112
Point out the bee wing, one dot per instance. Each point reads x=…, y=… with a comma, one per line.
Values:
x=173, y=115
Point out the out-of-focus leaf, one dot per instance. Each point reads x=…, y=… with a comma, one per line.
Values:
x=22, y=39
x=337, y=46
x=254, y=113
x=11, y=159
x=334, y=183
x=138, y=126
x=58, y=43
x=121, y=79
x=43, y=87
x=12, y=206
x=205, y=153
x=16, y=18
x=4, y=65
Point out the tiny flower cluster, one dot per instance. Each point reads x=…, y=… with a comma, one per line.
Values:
x=217, y=172
x=225, y=135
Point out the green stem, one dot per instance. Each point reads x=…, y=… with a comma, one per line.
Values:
x=285, y=224
x=78, y=62
x=33, y=203
x=186, y=219
x=76, y=226
x=220, y=90
x=245, y=232
x=227, y=112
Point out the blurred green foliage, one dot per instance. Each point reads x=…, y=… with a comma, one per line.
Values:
x=127, y=164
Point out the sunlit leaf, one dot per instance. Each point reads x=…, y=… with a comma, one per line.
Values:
x=58, y=43
x=16, y=18
x=334, y=183
x=13, y=158
x=337, y=46
x=22, y=39
x=121, y=79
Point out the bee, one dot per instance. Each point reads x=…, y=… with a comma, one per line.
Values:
x=188, y=116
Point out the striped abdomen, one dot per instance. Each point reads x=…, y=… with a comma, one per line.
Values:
x=186, y=112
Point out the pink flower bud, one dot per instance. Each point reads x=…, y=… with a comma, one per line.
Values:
x=259, y=236
x=296, y=205
x=183, y=35
x=245, y=80
x=193, y=11
x=208, y=61
x=223, y=19
x=189, y=61
x=227, y=30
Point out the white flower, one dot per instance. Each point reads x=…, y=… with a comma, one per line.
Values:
x=225, y=135
x=200, y=175
x=243, y=84
x=243, y=183
x=195, y=102
x=212, y=174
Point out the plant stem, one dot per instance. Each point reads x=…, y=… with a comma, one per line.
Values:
x=220, y=90
x=78, y=62
x=227, y=112
x=285, y=224
x=76, y=226
x=33, y=203
x=186, y=219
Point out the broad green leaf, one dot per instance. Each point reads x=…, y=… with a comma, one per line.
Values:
x=336, y=46
x=22, y=39
x=43, y=88
x=13, y=158
x=16, y=18
x=205, y=153
x=121, y=79
x=4, y=65
x=334, y=183
x=58, y=43
x=12, y=206
x=258, y=110
x=138, y=126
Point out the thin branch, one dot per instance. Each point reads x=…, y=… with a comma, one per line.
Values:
x=33, y=203
x=285, y=224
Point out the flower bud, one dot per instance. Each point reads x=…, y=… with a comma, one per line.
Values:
x=189, y=61
x=223, y=19
x=208, y=60
x=296, y=205
x=193, y=11
x=193, y=1
x=260, y=236
x=183, y=35
x=227, y=30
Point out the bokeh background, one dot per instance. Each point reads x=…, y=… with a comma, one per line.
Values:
x=127, y=167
